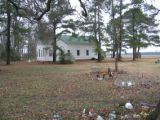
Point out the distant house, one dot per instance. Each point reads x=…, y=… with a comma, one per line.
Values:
x=80, y=48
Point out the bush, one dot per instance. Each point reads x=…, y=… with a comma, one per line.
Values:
x=93, y=58
x=66, y=58
x=103, y=55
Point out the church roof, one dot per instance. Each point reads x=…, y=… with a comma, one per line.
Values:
x=76, y=40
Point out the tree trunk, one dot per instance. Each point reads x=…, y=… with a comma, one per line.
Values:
x=99, y=41
x=8, y=45
x=116, y=61
x=95, y=30
x=138, y=49
x=134, y=54
x=115, y=42
x=28, y=50
x=54, y=43
x=120, y=33
x=119, y=52
x=114, y=31
x=54, y=51
x=113, y=52
x=133, y=32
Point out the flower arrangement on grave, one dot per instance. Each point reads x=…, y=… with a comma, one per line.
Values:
x=56, y=117
x=118, y=109
x=104, y=74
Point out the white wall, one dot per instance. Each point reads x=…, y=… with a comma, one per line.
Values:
x=82, y=48
x=63, y=45
x=44, y=53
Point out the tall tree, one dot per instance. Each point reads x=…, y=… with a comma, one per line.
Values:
x=56, y=25
x=115, y=27
x=8, y=45
x=20, y=32
x=140, y=27
x=93, y=26
x=109, y=7
x=13, y=27
x=5, y=14
x=120, y=31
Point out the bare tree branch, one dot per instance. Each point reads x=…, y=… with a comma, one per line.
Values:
x=85, y=11
x=48, y=4
x=15, y=5
x=156, y=13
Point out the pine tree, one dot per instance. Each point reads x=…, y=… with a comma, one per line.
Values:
x=56, y=26
x=14, y=28
x=115, y=27
x=20, y=33
x=140, y=27
x=5, y=14
x=93, y=26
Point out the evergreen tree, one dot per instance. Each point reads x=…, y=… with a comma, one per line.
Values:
x=20, y=32
x=56, y=25
x=93, y=26
x=140, y=27
x=115, y=27
x=7, y=12
x=14, y=29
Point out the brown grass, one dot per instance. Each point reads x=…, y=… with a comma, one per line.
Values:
x=36, y=91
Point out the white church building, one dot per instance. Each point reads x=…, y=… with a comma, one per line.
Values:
x=80, y=48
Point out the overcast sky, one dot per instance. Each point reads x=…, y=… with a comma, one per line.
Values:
x=75, y=4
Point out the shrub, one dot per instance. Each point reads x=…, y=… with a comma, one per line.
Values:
x=66, y=58
x=93, y=58
x=103, y=55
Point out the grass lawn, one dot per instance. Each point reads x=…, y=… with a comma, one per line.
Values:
x=36, y=91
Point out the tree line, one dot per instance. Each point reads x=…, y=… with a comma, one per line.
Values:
x=132, y=24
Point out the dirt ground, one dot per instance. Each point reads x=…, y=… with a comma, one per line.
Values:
x=36, y=91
